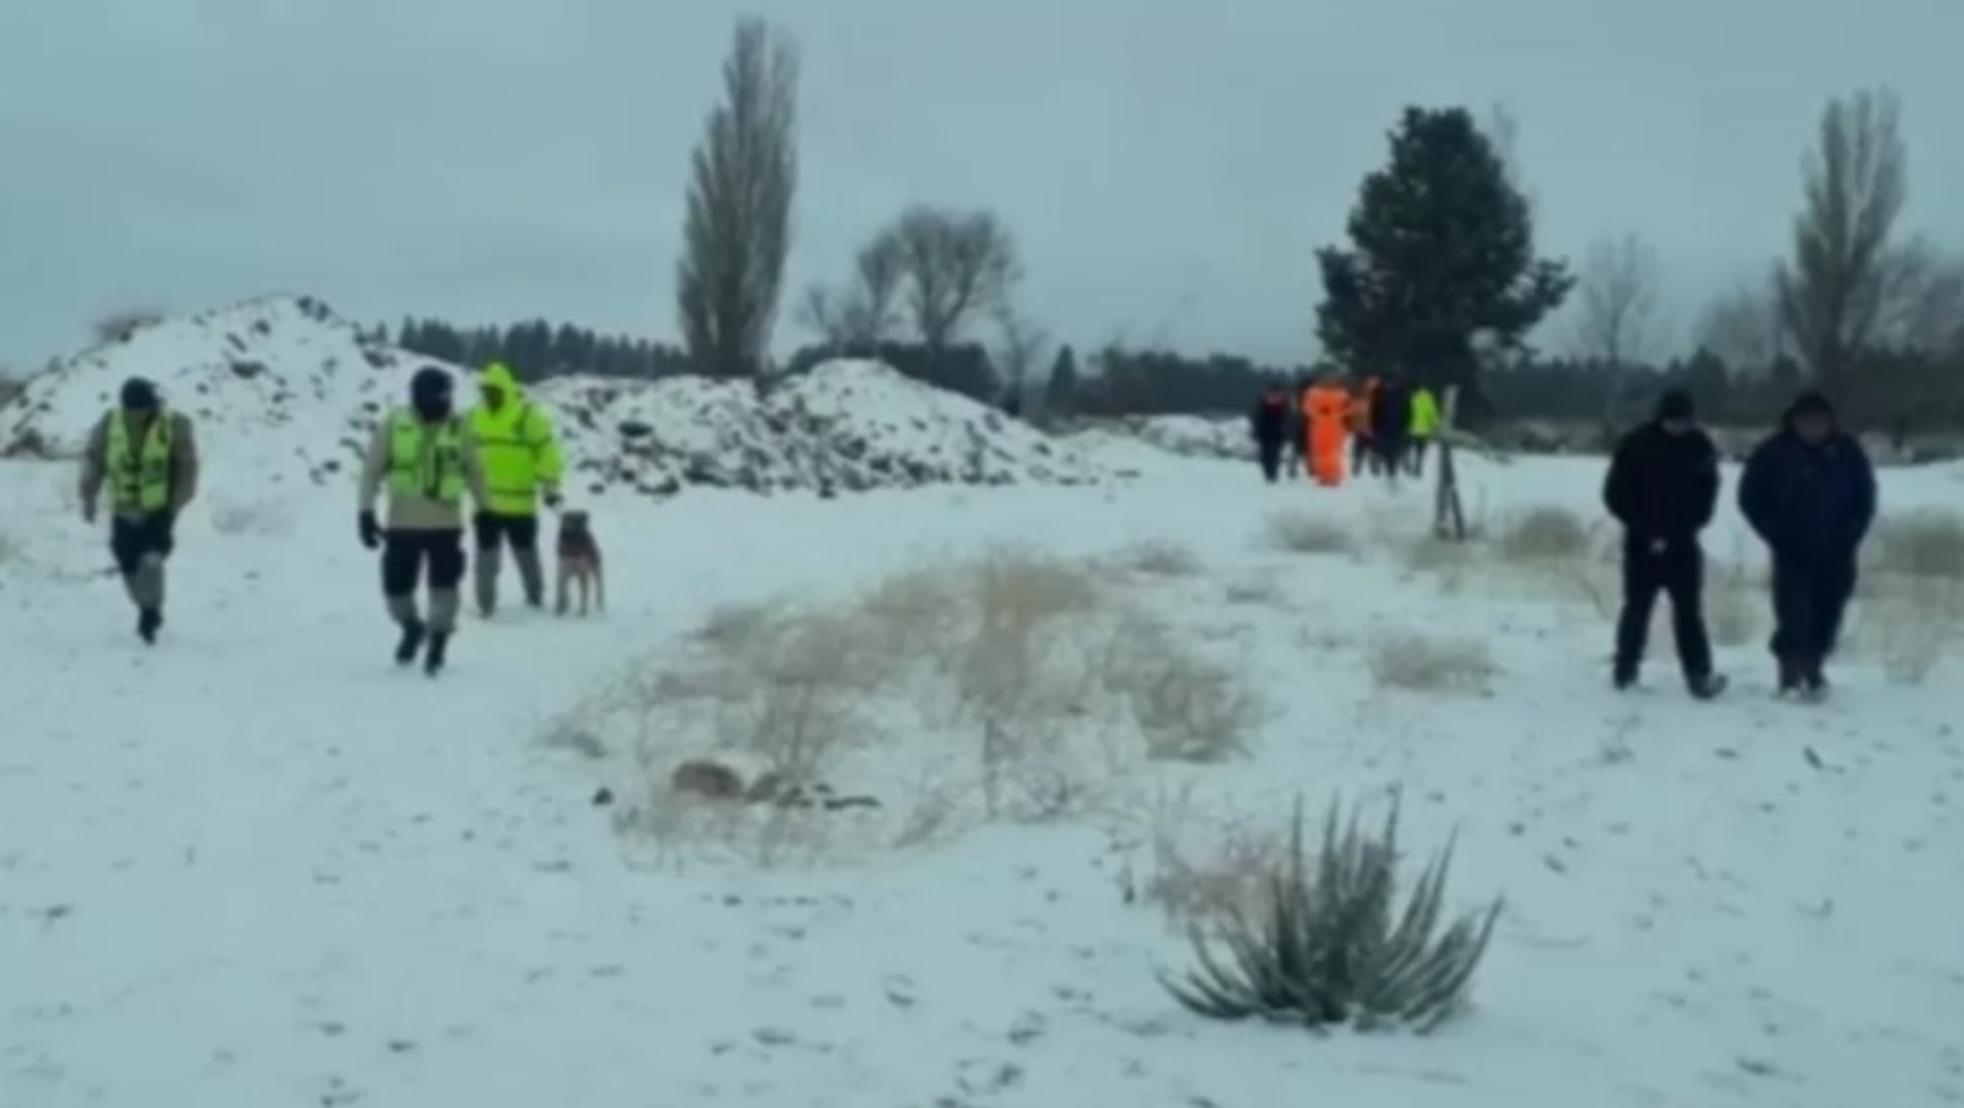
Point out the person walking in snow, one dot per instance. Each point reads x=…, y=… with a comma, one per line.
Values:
x=148, y=457
x=1425, y=425
x=1270, y=424
x=1326, y=407
x=522, y=465
x=1360, y=424
x=424, y=459
x=1391, y=424
x=1809, y=492
x=1663, y=487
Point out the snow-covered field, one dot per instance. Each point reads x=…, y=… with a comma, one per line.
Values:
x=259, y=866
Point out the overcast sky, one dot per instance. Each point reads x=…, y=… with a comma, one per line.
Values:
x=1168, y=165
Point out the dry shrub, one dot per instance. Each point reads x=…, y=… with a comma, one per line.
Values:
x=1161, y=559
x=1205, y=884
x=1927, y=544
x=1734, y=609
x=1912, y=622
x=731, y=624
x=120, y=325
x=1305, y=533
x=1545, y=534
x=1254, y=592
x=1421, y=663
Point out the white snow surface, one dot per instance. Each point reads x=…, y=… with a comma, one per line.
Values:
x=286, y=392
x=259, y=866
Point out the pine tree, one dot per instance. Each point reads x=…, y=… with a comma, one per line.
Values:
x=1060, y=397
x=1442, y=253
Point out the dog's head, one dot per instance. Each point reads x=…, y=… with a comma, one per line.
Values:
x=574, y=523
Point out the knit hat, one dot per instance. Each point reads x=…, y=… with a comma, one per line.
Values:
x=1676, y=406
x=139, y=395
x=1812, y=402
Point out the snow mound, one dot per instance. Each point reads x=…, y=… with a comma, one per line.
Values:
x=845, y=426
x=285, y=393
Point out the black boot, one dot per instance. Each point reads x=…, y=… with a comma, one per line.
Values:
x=412, y=641
x=1624, y=676
x=1789, y=677
x=1708, y=686
x=148, y=623
x=433, y=660
x=1813, y=682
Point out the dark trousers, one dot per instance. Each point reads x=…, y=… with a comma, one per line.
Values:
x=1360, y=454
x=1418, y=456
x=1679, y=571
x=1271, y=458
x=131, y=540
x=1391, y=455
x=408, y=555
x=521, y=531
x=1810, y=596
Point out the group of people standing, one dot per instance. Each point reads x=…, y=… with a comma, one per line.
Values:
x=425, y=457
x=1383, y=423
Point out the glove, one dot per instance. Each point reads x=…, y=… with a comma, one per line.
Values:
x=554, y=500
x=371, y=531
x=163, y=524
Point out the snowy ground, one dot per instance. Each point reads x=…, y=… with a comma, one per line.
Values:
x=259, y=867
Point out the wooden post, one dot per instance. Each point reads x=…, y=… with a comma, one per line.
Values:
x=1448, y=517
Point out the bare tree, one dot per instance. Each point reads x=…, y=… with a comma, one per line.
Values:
x=1022, y=347
x=1835, y=292
x=1926, y=313
x=1743, y=327
x=738, y=231
x=862, y=315
x=956, y=265
x=1618, y=305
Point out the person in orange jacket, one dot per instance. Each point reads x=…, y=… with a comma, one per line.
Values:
x=1326, y=409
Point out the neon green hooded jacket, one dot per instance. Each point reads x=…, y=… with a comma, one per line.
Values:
x=516, y=446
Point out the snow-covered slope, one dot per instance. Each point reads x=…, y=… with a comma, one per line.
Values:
x=286, y=392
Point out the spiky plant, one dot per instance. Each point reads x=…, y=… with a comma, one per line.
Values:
x=1329, y=949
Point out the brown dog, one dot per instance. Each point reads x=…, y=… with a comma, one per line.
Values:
x=579, y=563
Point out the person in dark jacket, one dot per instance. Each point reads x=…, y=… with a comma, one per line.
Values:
x=1270, y=423
x=1391, y=427
x=1663, y=487
x=1809, y=491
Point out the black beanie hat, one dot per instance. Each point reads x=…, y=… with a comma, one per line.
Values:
x=430, y=390
x=1676, y=404
x=139, y=395
x=1812, y=402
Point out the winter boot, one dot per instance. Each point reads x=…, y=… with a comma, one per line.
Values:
x=413, y=631
x=1709, y=686
x=1624, y=677
x=434, y=658
x=1789, y=677
x=148, y=622
x=1813, y=682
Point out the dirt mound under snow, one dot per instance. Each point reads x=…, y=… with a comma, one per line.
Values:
x=285, y=392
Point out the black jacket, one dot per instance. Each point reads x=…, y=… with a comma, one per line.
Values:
x=1391, y=412
x=1809, y=502
x=1270, y=420
x=1663, y=486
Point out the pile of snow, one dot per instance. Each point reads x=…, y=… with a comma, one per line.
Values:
x=847, y=425
x=283, y=391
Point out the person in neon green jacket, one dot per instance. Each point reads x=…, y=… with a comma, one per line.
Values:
x=522, y=466
x=1425, y=425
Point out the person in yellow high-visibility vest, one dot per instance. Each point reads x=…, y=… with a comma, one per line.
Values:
x=1425, y=425
x=145, y=453
x=522, y=466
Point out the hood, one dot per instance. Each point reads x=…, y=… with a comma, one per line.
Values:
x=498, y=375
x=1811, y=401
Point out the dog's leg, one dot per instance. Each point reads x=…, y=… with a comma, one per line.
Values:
x=599, y=586
x=559, y=588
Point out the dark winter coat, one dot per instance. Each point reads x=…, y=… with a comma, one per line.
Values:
x=1391, y=413
x=1812, y=504
x=1271, y=419
x=1663, y=486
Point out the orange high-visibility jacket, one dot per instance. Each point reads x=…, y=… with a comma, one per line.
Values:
x=1325, y=410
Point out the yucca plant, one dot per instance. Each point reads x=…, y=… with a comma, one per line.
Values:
x=1329, y=949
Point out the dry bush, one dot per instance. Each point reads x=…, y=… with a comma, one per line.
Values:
x=1421, y=663
x=1161, y=559
x=119, y=325
x=1912, y=623
x=729, y=625
x=1254, y=592
x=1191, y=710
x=1332, y=946
x=1205, y=886
x=1545, y=534
x=1305, y=533
x=1927, y=544
x=1733, y=608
